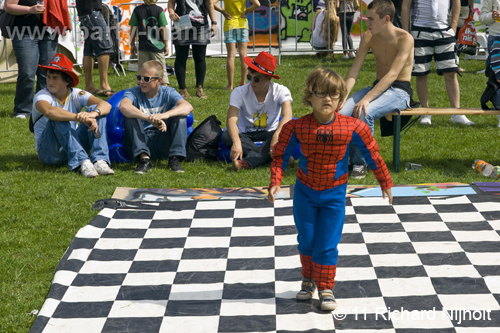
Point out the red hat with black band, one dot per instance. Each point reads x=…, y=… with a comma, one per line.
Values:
x=264, y=63
x=61, y=63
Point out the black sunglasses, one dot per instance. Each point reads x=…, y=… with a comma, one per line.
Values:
x=256, y=79
x=146, y=78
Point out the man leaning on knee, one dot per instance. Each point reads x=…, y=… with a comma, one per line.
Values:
x=154, y=120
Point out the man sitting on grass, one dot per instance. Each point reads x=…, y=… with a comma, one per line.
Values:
x=56, y=113
x=154, y=120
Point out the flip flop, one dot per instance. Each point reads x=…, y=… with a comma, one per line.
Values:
x=104, y=93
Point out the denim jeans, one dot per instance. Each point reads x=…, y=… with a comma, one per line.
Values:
x=30, y=52
x=61, y=142
x=158, y=145
x=391, y=100
x=96, y=33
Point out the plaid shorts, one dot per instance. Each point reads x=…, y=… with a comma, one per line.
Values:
x=436, y=43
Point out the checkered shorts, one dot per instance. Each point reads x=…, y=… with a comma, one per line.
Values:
x=434, y=42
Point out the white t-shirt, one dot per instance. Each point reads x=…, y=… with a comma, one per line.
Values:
x=318, y=37
x=255, y=116
x=431, y=13
x=77, y=96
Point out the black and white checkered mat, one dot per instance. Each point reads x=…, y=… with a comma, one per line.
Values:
x=232, y=266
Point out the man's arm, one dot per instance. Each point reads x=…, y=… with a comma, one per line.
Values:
x=455, y=14
x=353, y=73
x=54, y=113
x=232, y=128
x=405, y=14
x=487, y=14
x=133, y=35
x=286, y=116
x=405, y=50
x=130, y=111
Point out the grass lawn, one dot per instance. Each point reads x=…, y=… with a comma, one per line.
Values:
x=42, y=207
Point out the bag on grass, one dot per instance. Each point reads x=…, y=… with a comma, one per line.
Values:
x=203, y=142
x=467, y=37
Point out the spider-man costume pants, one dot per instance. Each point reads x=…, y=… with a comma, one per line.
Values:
x=319, y=218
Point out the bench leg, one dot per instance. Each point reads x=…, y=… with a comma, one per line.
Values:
x=396, y=141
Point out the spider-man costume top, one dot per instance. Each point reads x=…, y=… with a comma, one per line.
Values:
x=325, y=148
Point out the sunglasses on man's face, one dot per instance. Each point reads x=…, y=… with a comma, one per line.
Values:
x=256, y=79
x=146, y=79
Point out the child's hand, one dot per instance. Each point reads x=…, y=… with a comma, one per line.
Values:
x=389, y=195
x=272, y=191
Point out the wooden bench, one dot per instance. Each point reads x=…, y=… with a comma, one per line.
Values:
x=396, y=122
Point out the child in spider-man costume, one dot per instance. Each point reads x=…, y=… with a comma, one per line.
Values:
x=320, y=190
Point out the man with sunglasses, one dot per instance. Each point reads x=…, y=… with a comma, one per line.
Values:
x=391, y=91
x=154, y=120
x=254, y=114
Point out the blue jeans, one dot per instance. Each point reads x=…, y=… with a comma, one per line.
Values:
x=391, y=100
x=30, y=52
x=61, y=142
x=96, y=33
x=157, y=145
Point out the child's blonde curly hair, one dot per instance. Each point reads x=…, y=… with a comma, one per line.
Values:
x=324, y=80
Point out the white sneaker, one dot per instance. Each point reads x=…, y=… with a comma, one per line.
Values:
x=103, y=168
x=425, y=120
x=21, y=116
x=498, y=120
x=462, y=120
x=352, y=55
x=87, y=169
x=345, y=57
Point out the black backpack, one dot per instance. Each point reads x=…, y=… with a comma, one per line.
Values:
x=204, y=140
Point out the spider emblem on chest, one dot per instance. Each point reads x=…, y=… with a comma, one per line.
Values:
x=324, y=135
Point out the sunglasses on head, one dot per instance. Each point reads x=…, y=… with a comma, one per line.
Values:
x=146, y=78
x=256, y=79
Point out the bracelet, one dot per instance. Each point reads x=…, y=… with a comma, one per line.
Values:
x=214, y=22
x=98, y=111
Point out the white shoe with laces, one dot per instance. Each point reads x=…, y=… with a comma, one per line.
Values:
x=462, y=120
x=425, y=120
x=103, y=168
x=87, y=169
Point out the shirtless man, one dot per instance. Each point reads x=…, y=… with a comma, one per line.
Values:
x=391, y=92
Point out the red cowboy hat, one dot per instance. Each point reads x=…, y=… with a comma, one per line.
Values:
x=264, y=63
x=61, y=63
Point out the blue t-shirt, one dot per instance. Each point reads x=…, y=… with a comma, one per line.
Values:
x=165, y=100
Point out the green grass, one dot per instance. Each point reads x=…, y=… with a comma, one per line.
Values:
x=42, y=207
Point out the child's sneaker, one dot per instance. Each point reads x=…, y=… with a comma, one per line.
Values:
x=103, y=168
x=326, y=300
x=345, y=57
x=307, y=289
x=352, y=55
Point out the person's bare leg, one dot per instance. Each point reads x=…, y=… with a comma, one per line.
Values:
x=231, y=55
x=103, y=63
x=242, y=50
x=423, y=97
x=452, y=89
x=88, y=68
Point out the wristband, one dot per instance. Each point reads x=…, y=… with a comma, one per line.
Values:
x=98, y=111
x=214, y=22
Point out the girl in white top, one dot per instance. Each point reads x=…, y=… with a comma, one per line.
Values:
x=325, y=28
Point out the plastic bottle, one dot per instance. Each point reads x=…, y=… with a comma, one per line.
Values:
x=485, y=168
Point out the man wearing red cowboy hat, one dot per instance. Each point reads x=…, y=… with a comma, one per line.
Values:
x=56, y=114
x=254, y=114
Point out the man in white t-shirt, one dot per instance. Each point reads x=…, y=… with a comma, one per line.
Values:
x=64, y=134
x=254, y=114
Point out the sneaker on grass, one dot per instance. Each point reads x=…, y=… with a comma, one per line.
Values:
x=358, y=172
x=143, y=167
x=174, y=163
x=425, y=120
x=103, y=168
x=461, y=120
x=87, y=169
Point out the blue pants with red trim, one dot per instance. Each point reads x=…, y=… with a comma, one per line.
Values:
x=319, y=218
